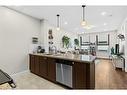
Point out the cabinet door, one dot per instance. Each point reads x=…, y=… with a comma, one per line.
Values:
x=51, y=69
x=36, y=64
x=43, y=66
x=79, y=76
x=31, y=67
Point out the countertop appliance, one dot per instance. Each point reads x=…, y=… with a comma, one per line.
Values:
x=64, y=72
x=40, y=49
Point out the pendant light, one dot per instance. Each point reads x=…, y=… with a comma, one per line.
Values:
x=83, y=23
x=58, y=22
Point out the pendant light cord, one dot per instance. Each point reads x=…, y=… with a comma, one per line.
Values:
x=83, y=6
x=57, y=20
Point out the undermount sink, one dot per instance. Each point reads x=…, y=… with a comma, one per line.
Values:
x=57, y=54
x=52, y=54
x=48, y=54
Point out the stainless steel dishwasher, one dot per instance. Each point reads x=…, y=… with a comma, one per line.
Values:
x=64, y=72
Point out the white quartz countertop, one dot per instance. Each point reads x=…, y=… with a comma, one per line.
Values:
x=71, y=57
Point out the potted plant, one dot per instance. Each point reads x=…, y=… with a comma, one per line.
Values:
x=76, y=42
x=65, y=41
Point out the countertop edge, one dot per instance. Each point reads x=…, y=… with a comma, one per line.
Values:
x=56, y=57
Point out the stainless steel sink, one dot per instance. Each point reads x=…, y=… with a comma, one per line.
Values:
x=48, y=54
x=57, y=54
x=53, y=54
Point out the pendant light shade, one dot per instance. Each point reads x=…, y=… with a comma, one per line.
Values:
x=58, y=22
x=83, y=23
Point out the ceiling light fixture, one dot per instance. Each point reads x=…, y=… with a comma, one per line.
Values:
x=65, y=22
x=58, y=22
x=103, y=13
x=83, y=23
x=105, y=24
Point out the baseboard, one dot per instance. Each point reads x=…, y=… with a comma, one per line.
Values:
x=19, y=73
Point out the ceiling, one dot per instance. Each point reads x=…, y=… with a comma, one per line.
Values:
x=102, y=18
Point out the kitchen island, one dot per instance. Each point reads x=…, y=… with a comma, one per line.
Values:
x=71, y=70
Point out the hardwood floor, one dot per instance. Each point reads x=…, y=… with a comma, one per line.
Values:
x=109, y=78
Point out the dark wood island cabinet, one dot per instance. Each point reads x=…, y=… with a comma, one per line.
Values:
x=51, y=69
x=43, y=67
x=31, y=65
x=79, y=73
x=84, y=76
x=83, y=72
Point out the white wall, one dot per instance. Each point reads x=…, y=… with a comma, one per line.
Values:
x=16, y=31
x=57, y=35
x=122, y=30
x=123, y=44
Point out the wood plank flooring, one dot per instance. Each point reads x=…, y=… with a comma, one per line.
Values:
x=107, y=77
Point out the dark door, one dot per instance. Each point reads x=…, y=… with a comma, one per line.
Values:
x=79, y=75
x=31, y=67
x=43, y=66
x=51, y=69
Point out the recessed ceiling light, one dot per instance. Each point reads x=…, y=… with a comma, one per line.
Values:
x=103, y=13
x=65, y=22
x=105, y=29
x=105, y=24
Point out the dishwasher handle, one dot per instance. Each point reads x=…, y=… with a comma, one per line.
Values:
x=66, y=62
